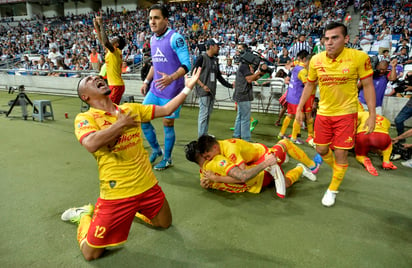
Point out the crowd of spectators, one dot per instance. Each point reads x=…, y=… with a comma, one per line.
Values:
x=270, y=26
x=277, y=29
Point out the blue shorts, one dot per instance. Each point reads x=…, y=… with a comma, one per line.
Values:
x=153, y=99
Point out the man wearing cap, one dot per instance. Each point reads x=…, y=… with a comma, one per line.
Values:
x=206, y=84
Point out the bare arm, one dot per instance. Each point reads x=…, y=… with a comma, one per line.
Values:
x=247, y=174
x=370, y=97
x=255, y=76
x=213, y=177
x=393, y=75
x=171, y=106
x=404, y=135
x=109, y=136
x=101, y=33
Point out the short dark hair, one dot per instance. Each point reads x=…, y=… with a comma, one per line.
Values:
x=205, y=143
x=191, y=152
x=302, y=54
x=121, y=41
x=162, y=8
x=334, y=25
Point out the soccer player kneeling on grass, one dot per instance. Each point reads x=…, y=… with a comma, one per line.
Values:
x=128, y=186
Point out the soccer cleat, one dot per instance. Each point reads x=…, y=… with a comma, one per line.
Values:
x=253, y=125
x=281, y=136
x=395, y=157
x=329, y=197
x=388, y=166
x=318, y=161
x=165, y=163
x=407, y=163
x=309, y=141
x=307, y=173
x=279, y=179
x=232, y=128
x=74, y=214
x=277, y=123
x=369, y=167
x=297, y=141
x=155, y=155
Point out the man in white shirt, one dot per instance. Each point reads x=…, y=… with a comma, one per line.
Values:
x=54, y=54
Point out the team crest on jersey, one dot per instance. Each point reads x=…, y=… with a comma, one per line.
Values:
x=222, y=163
x=112, y=184
x=83, y=123
x=233, y=158
x=345, y=70
x=159, y=56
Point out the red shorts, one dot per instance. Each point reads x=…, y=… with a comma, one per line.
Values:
x=117, y=93
x=112, y=219
x=279, y=152
x=337, y=131
x=371, y=142
x=307, y=108
x=282, y=99
x=292, y=108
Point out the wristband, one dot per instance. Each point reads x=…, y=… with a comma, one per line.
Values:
x=186, y=91
x=146, y=81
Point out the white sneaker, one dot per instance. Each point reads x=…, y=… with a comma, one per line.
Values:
x=74, y=214
x=407, y=163
x=307, y=173
x=279, y=179
x=395, y=157
x=329, y=197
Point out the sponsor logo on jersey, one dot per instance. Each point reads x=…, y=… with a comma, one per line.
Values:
x=159, y=56
x=83, y=123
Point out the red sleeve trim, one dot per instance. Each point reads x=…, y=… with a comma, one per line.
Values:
x=311, y=80
x=153, y=112
x=227, y=173
x=366, y=76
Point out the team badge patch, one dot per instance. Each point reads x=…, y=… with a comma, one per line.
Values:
x=112, y=184
x=180, y=42
x=222, y=163
x=83, y=124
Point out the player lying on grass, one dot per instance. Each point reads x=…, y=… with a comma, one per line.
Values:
x=229, y=170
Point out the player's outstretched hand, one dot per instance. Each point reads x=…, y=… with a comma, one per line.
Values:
x=191, y=82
